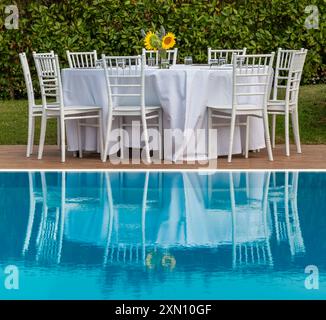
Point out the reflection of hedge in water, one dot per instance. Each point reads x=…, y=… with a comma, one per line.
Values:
x=13, y=218
x=113, y=27
x=311, y=199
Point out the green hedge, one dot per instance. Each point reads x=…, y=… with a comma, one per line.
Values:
x=113, y=27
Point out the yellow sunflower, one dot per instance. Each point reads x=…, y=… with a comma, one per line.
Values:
x=168, y=41
x=151, y=41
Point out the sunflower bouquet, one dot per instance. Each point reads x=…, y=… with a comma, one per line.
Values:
x=159, y=41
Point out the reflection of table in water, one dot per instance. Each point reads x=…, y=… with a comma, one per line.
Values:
x=134, y=211
x=183, y=219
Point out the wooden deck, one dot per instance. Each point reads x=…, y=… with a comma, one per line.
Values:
x=313, y=157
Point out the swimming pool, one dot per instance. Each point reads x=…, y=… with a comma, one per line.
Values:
x=163, y=235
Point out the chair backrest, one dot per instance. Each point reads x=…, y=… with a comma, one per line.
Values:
x=227, y=54
x=294, y=77
x=252, y=78
x=28, y=80
x=82, y=60
x=48, y=71
x=283, y=63
x=125, y=80
x=44, y=54
x=172, y=55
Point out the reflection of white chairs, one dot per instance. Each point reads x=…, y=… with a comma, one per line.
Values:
x=118, y=249
x=218, y=191
x=283, y=204
x=257, y=252
x=49, y=235
x=35, y=196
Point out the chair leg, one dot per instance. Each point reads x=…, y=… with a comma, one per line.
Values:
x=232, y=128
x=295, y=126
x=42, y=135
x=33, y=135
x=209, y=134
x=145, y=132
x=247, y=137
x=287, y=136
x=107, y=138
x=121, y=137
x=63, y=139
x=267, y=137
x=273, y=130
x=161, y=134
x=58, y=133
x=79, y=139
x=100, y=128
x=29, y=136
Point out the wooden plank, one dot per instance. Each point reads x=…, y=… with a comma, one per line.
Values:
x=313, y=157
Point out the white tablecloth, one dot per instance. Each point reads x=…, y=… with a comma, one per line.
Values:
x=183, y=92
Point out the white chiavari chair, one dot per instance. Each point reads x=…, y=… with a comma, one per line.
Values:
x=288, y=72
x=48, y=70
x=125, y=79
x=227, y=54
x=172, y=55
x=252, y=76
x=81, y=60
x=34, y=110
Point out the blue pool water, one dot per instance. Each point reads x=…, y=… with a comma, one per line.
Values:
x=163, y=235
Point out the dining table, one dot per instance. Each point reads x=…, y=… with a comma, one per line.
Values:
x=183, y=92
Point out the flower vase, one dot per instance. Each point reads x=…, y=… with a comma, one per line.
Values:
x=163, y=60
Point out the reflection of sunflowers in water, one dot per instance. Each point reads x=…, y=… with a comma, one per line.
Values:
x=155, y=259
x=152, y=259
x=168, y=41
x=168, y=261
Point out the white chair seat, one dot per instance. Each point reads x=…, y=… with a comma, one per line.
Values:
x=245, y=109
x=74, y=109
x=278, y=106
x=37, y=107
x=133, y=110
x=240, y=107
x=83, y=108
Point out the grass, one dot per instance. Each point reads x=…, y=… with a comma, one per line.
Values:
x=312, y=115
